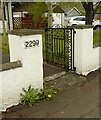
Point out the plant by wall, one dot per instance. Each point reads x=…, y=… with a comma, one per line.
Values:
x=48, y=92
x=31, y=95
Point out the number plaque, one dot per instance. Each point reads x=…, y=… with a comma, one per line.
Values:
x=31, y=43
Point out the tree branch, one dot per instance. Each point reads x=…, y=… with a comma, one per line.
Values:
x=97, y=5
x=84, y=5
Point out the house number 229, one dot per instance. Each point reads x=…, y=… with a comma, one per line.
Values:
x=31, y=43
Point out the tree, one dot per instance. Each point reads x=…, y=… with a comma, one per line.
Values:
x=37, y=9
x=86, y=8
x=16, y=4
x=90, y=10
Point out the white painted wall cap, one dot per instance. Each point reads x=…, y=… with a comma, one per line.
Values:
x=24, y=32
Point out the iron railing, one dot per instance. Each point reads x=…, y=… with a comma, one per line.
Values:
x=59, y=47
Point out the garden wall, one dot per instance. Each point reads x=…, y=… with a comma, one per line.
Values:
x=26, y=67
x=86, y=56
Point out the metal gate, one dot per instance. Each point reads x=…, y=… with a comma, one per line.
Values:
x=59, y=47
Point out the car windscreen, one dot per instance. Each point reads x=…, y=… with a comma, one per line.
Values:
x=79, y=19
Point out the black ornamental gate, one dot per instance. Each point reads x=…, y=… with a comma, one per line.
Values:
x=59, y=47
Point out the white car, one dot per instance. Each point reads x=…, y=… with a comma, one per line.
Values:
x=80, y=20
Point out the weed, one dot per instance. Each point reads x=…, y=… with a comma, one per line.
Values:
x=48, y=92
x=32, y=95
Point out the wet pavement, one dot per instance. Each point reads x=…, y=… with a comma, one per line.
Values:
x=78, y=97
x=49, y=70
x=4, y=57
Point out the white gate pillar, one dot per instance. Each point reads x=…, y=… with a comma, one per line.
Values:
x=86, y=57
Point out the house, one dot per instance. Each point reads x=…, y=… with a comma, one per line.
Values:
x=21, y=10
x=98, y=14
x=58, y=17
x=21, y=18
x=61, y=14
x=70, y=12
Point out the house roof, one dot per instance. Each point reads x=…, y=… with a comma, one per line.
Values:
x=69, y=10
x=58, y=9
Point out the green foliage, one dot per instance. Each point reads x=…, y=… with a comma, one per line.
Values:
x=96, y=37
x=37, y=9
x=98, y=9
x=16, y=4
x=4, y=47
x=48, y=93
x=30, y=96
x=70, y=4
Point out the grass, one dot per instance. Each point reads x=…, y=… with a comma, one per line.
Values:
x=96, y=36
x=4, y=46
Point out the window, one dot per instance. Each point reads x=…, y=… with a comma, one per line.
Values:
x=79, y=19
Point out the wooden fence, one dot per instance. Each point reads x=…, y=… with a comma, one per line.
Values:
x=28, y=23
x=23, y=23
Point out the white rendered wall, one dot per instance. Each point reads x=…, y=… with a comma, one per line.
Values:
x=31, y=72
x=56, y=19
x=86, y=57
